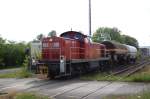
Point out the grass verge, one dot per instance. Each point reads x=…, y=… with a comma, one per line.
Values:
x=141, y=76
x=25, y=95
x=144, y=95
x=22, y=73
x=29, y=96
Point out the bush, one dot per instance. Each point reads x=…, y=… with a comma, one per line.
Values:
x=24, y=73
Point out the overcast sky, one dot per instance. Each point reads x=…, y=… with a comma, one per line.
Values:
x=23, y=20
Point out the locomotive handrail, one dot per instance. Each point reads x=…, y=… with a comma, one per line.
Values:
x=77, y=47
x=47, y=53
x=83, y=53
x=52, y=48
x=76, y=53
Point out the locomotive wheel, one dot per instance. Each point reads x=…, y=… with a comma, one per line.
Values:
x=51, y=77
x=43, y=72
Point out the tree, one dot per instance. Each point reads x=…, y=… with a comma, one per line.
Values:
x=106, y=33
x=52, y=33
x=2, y=42
x=40, y=36
x=130, y=41
x=11, y=52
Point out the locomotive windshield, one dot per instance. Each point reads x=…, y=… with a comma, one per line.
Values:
x=73, y=35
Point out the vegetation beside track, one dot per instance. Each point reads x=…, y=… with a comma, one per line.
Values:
x=29, y=96
x=25, y=95
x=9, y=75
x=12, y=53
x=144, y=95
x=22, y=73
x=141, y=76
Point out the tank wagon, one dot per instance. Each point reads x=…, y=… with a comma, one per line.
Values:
x=73, y=53
x=131, y=53
x=120, y=53
x=116, y=51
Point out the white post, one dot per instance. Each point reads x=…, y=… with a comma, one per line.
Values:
x=89, y=17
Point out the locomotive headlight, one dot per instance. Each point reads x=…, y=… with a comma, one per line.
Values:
x=50, y=40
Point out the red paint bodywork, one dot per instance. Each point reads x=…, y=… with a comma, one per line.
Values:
x=69, y=47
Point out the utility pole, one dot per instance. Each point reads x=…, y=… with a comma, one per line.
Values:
x=89, y=17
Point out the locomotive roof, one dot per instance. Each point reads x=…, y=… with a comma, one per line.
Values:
x=73, y=35
x=114, y=45
x=72, y=32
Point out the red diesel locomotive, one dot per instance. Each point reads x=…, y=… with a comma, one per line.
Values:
x=69, y=54
x=73, y=53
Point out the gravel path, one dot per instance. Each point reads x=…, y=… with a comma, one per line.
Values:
x=73, y=88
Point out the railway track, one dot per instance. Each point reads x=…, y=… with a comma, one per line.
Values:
x=131, y=69
x=124, y=72
x=62, y=91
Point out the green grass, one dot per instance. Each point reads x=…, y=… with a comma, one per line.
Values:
x=9, y=75
x=144, y=95
x=8, y=67
x=29, y=96
x=22, y=73
x=142, y=76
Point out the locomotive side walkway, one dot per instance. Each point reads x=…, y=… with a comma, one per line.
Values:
x=72, y=89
